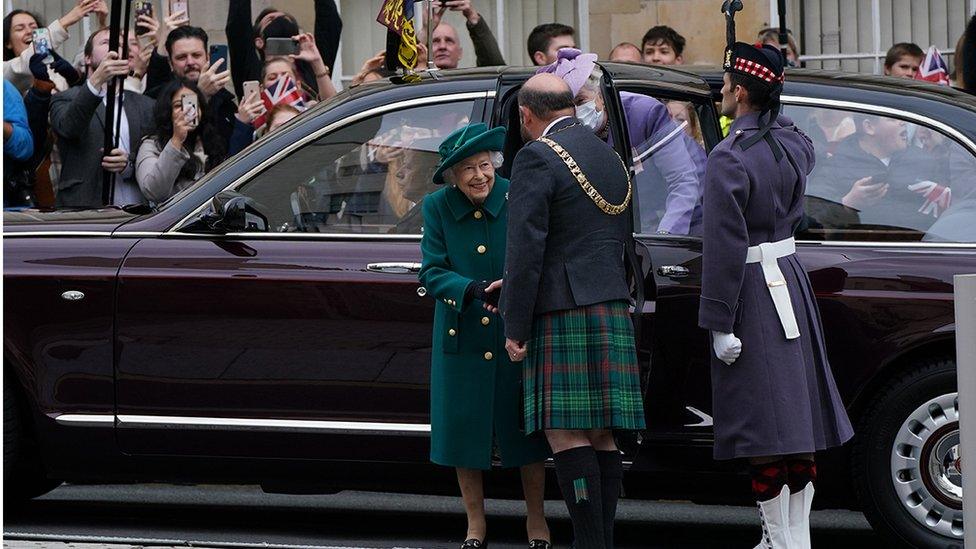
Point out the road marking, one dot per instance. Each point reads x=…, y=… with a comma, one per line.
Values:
x=71, y=538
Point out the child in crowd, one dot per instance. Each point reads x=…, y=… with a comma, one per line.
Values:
x=662, y=45
x=903, y=60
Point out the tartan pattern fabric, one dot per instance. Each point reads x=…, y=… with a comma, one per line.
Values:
x=768, y=479
x=755, y=69
x=581, y=370
x=579, y=490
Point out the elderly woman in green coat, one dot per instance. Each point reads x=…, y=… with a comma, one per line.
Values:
x=474, y=387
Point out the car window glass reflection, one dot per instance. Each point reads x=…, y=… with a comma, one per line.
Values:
x=369, y=177
x=879, y=178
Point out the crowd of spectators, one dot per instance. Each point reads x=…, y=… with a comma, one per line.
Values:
x=177, y=118
x=54, y=110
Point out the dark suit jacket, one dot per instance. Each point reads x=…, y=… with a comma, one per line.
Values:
x=563, y=251
x=78, y=119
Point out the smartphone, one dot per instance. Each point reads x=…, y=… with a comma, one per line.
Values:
x=191, y=108
x=251, y=86
x=178, y=6
x=280, y=46
x=41, y=38
x=142, y=8
x=879, y=178
x=217, y=52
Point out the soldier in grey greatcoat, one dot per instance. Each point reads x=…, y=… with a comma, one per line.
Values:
x=774, y=398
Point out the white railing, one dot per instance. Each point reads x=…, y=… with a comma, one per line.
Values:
x=878, y=54
x=878, y=57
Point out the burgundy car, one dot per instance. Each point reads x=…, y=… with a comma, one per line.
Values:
x=266, y=324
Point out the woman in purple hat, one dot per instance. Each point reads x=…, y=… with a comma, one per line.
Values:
x=672, y=171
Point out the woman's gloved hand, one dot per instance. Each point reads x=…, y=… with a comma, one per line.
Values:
x=59, y=65
x=727, y=347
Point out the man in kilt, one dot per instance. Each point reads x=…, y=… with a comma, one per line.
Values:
x=774, y=399
x=565, y=302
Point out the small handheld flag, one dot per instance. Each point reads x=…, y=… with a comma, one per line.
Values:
x=933, y=68
x=935, y=198
x=283, y=90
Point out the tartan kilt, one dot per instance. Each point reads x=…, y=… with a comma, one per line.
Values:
x=581, y=370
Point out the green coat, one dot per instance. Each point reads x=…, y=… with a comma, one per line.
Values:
x=474, y=387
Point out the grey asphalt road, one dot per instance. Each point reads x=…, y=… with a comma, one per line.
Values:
x=228, y=516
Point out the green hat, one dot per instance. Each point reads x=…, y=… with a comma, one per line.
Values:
x=466, y=141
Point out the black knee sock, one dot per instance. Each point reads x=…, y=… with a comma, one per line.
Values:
x=578, y=472
x=611, y=475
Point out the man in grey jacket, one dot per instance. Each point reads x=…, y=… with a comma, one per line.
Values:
x=565, y=300
x=78, y=119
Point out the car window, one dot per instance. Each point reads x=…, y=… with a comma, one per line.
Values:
x=879, y=178
x=669, y=162
x=367, y=177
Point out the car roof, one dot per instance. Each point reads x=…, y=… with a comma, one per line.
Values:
x=947, y=105
x=488, y=77
x=668, y=75
x=850, y=80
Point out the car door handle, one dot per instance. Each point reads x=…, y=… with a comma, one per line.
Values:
x=394, y=268
x=673, y=271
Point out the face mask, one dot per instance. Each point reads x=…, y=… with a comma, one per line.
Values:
x=589, y=116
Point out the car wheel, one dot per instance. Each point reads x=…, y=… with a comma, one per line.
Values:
x=23, y=476
x=905, y=461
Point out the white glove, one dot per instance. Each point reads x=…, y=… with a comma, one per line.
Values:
x=727, y=347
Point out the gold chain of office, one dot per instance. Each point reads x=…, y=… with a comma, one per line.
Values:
x=595, y=196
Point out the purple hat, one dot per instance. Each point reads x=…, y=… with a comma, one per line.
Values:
x=573, y=66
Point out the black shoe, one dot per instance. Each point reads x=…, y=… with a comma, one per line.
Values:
x=474, y=543
x=539, y=544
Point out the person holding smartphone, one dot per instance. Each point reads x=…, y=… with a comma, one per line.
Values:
x=18, y=37
x=307, y=52
x=247, y=39
x=184, y=146
x=188, y=58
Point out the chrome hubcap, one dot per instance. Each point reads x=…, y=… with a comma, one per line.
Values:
x=926, y=467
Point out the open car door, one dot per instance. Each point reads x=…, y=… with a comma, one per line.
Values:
x=665, y=123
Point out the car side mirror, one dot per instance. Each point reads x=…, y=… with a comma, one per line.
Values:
x=230, y=212
x=239, y=215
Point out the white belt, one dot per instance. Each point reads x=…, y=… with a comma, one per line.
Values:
x=767, y=254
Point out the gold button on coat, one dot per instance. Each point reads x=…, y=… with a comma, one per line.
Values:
x=452, y=332
x=488, y=355
x=478, y=214
x=485, y=320
x=482, y=249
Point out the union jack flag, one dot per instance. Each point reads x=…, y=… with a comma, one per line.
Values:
x=935, y=198
x=933, y=68
x=283, y=90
